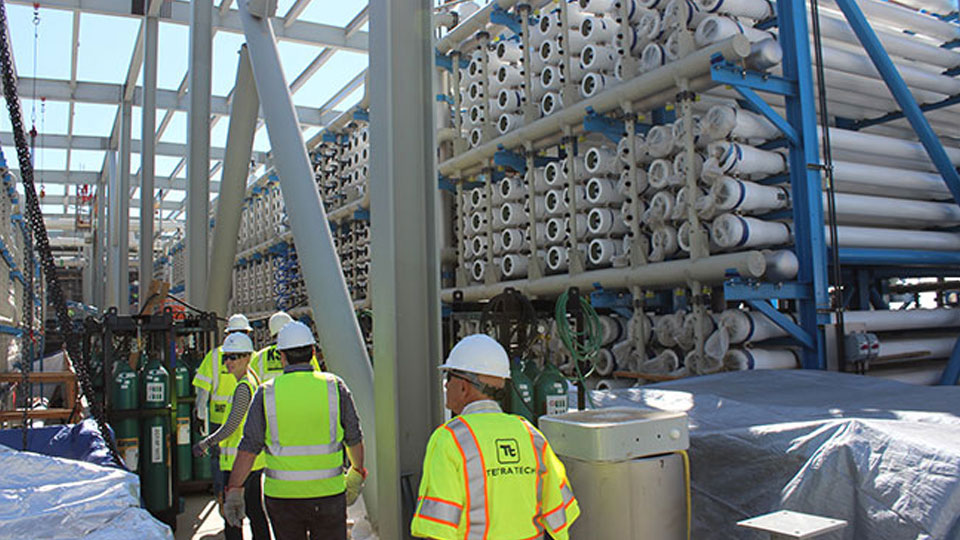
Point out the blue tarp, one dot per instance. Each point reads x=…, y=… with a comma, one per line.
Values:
x=81, y=442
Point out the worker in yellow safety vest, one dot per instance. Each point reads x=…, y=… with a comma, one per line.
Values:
x=303, y=420
x=266, y=362
x=214, y=383
x=236, y=351
x=488, y=474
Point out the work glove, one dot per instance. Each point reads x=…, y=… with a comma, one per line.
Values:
x=354, y=480
x=233, y=507
x=198, y=450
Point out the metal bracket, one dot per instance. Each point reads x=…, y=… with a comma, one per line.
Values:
x=758, y=105
x=784, y=322
x=740, y=290
x=728, y=73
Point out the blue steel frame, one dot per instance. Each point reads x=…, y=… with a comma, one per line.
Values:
x=810, y=291
x=800, y=131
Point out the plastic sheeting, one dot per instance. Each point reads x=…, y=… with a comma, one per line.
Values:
x=882, y=455
x=80, y=441
x=50, y=497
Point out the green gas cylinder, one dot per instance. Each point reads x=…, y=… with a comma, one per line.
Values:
x=520, y=398
x=125, y=397
x=550, y=391
x=184, y=458
x=155, y=473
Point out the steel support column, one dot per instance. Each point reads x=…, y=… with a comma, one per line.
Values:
x=332, y=308
x=198, y=152
x=123, y=209
x=804, y=162
x=406, y=256
x=148, y=154
x=99, y=244
x=236, y=167
x=113, y=233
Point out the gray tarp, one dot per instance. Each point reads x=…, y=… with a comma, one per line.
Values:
x=50, y=497
x=885, y=456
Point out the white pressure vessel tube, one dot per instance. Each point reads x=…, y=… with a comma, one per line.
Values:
x=756, y=358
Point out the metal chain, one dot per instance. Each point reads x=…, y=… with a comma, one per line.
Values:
x=35, y=217
x=26, y=339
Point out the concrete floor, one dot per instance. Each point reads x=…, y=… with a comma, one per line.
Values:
x=201, y=520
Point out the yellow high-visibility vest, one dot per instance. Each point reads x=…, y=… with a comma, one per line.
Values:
x=228, y=446
x=304, y=437
x=492, y=475
x=214, y=377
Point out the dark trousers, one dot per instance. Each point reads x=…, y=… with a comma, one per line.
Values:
x=321, y=518
x=253, y=500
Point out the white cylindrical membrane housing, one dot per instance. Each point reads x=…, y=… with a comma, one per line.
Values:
x=509, y=122
x=598, y=58
x=723, y=121
x=652, y=57
x=716, y=28
x=592, y=84
x=550, y=103
x=510, y=214
x=601, y=251
x=659, y=141
x=556, y=258
x=510, y=100
x=603, y=192
x=734, y=159
x=598, y=30
x=512, y=189
x=600, y=160
x=509, y=51
x=731, y=231
x=753, y=9
x=744, y=359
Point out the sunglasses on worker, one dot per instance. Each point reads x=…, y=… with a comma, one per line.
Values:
x=461, y=376
x=231, y=357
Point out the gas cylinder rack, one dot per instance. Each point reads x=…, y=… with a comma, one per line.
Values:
x=195, y=334
x=138, y=356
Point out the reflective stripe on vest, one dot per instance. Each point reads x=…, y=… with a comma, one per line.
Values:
x=556, y=519
x=302, y=470
x=478, y=521
x=203, y=378
x=539, y=448
x=444, y=512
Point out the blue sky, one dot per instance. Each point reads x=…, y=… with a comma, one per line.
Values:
x=106, y=45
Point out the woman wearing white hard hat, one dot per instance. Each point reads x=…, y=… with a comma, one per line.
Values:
x=214, y=382
x=236, y=351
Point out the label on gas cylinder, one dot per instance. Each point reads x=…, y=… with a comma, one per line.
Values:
x=556, y=405
x=156, y=444
x=130, y=451
x=155, y=393
x=183, y=431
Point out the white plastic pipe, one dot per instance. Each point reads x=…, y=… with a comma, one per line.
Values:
x=869, y=210
x=907, y=19
x=871, y=237
x=729, y=194
x=919, y=375
x=708, y=270
x=753, y=9
x=468, y=27
x=685, y=14
x=916, y=348
x=910, y=319
x=723, y=121
x=744, y=359
x=715, y=28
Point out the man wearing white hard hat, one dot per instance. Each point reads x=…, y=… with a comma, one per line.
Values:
x=266, y=362
x=303, y=420
x=488, y=474
x=214, y=381
x=236, y=351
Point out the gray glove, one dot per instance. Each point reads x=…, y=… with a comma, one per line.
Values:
x=233, y=507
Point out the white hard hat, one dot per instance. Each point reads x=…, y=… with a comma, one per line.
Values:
x=277, y=321
x=293, y=335
x=238, y=323
x=480, y=354
x=237, y=342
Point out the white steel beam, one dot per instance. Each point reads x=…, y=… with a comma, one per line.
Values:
x=295, y=10
x=308, y=33
x=151, y=28
x=110, y=93
x=73, y=178
x=198, y=155
x=92, y=142
x=72, y=199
